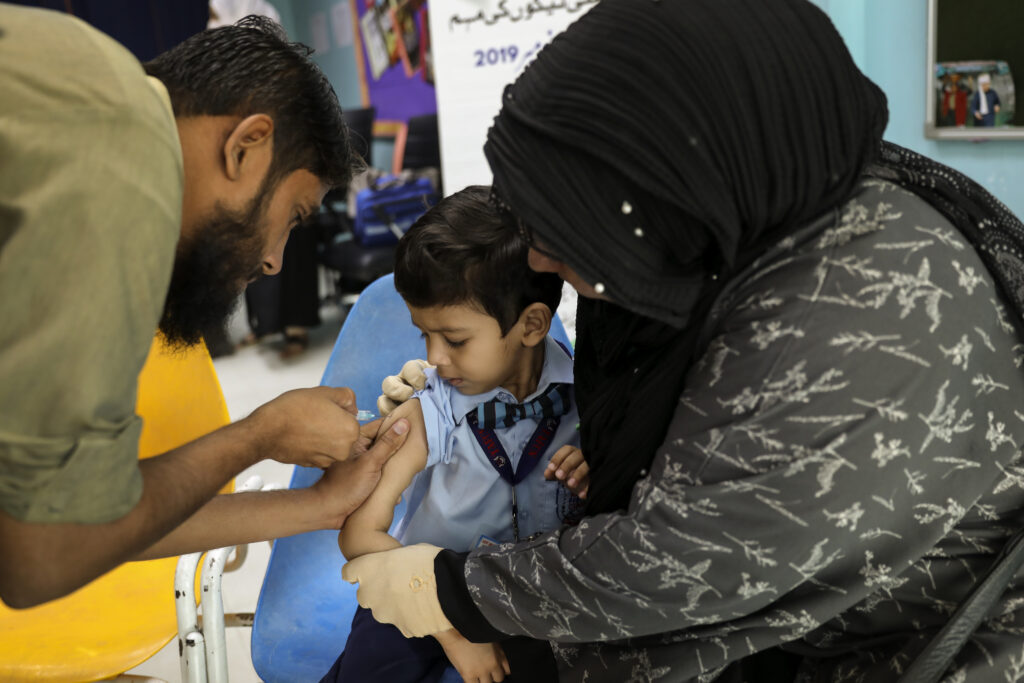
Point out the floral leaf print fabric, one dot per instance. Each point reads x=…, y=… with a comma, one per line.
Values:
x=842, y=465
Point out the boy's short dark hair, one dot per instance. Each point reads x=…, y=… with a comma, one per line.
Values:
x=459, y=252
x=251, y=68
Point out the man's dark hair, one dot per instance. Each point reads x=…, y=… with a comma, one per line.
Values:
x=251, y=68
x=460, y=253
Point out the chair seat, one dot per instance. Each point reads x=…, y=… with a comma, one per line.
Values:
x=112, y=625
x=121, y=619
x=357, y=263
x=305, y=609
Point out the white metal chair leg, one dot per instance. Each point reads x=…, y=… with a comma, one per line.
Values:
x=202, y=650
x=191, y=657
x=241, y=552
x=213, y=615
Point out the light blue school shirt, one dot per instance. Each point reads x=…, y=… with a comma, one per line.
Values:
x=459, y=497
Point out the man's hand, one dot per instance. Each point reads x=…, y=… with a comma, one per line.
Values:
x=345, y=485
x=568, y=466
x=399, y=388
x=309, y=427
x=367, y=435
x=475, y=662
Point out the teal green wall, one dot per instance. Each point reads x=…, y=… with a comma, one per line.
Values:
x=889, y=41
x=284, y=8
x=338, y=63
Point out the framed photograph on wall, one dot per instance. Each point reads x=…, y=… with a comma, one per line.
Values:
x=974, y=53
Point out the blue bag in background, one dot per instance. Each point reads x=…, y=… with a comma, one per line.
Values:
x=392, y=203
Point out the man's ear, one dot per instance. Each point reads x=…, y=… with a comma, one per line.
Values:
x=536, y=321
x=249, y=147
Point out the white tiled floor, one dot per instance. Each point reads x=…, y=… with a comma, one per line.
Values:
x=249, y=378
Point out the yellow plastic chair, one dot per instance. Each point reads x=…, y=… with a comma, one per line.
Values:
x=123, y=618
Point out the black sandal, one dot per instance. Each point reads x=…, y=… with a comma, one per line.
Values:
x=295, y=344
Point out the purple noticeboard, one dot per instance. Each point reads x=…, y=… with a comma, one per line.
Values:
x=397, y=92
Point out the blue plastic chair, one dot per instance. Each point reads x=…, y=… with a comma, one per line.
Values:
x=305, y=610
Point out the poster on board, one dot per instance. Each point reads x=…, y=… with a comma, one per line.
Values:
x=480, y=46
x=393, y=58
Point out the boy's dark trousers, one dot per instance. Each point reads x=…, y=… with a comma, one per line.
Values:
x=378, y=652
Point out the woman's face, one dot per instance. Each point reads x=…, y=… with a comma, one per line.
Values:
x=542, y=263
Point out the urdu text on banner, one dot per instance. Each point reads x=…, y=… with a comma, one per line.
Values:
x=480, y=46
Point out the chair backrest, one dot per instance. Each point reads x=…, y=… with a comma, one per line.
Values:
x=305, y=610
x=360, y=126
x=360, y=130
x=422, y=143
x=418, y=146
x=124, y=617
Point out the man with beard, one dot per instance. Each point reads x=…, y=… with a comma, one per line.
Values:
x=128, y=202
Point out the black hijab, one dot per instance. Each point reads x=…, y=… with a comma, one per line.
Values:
x=656, y=147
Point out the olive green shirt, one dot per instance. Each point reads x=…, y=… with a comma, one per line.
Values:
x=90, y=212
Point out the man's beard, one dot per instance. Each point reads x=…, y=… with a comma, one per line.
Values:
x=211, y=269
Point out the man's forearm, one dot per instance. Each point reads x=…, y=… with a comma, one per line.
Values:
x=247, y=517
x=40, y=562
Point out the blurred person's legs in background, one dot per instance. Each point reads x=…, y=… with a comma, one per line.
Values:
x=288, y=302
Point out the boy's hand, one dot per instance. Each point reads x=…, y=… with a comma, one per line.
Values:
x=399, y=388
x=475, y=662
x=568, y=466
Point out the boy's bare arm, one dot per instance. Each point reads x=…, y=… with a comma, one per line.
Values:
x=474, y=661
x=366, y=529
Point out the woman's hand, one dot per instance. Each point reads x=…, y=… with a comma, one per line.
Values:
x=399, y=388
x=398, y=587
x=568, y=466
x=475, y=662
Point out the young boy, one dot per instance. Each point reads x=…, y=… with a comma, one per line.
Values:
x=497, y=403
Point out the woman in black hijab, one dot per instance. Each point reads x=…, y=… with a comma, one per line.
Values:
x=797, y=364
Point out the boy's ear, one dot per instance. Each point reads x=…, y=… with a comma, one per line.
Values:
x=536, y=321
